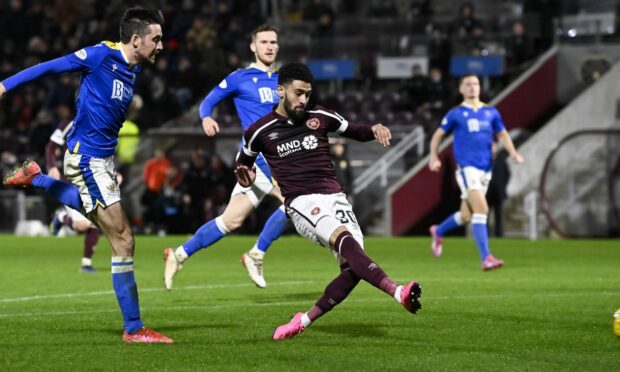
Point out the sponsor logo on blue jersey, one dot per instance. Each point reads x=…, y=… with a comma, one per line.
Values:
x=266, y=95
x=473, y=134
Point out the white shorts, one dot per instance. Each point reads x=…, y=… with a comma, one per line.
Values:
x=470, y=178
x=95, y=179
x=261, y=186
x=317, y=216
x=75, y=215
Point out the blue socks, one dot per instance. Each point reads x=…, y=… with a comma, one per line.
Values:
x=479, y=227
x=206, y=235
x=481, y=234
x=126, y=292
x=450, y=223
x=214, y=230
x=274, y=227
x=66, y=193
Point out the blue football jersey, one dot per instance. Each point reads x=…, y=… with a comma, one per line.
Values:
x=473, y=134
x=253, y=91
x=106, y=90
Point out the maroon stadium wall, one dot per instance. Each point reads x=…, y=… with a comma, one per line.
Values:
x=522, y=105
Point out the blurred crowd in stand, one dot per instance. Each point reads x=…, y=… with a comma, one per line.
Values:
x=179, y=199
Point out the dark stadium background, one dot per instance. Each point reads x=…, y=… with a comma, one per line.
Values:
x=206, y=40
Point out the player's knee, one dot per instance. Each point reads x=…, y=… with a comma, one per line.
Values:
x=123, y=236
x=329, y=229
x=81, y=226
x=127, y=241
x=466, y=217
x=275, y=192
x=483, y=209
x=233, y=223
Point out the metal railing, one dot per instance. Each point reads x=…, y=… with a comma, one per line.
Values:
x=380, y=168
x=530, y=206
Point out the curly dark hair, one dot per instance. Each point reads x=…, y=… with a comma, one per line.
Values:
x=294, y=71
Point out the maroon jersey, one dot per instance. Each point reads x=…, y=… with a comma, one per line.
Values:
x=298, y=153
x=57, y=145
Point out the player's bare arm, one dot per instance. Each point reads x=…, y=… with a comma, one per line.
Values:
x=382, y=134
x=2, y=90
x=434, y=164
x=210, y=126
x=504, y=138
x=245, y=175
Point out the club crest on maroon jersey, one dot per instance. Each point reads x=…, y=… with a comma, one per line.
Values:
x=316, y=210
x=313, y=123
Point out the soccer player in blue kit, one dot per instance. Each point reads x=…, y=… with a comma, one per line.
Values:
x=109, y=71
x=254, y=94
x=474, y=124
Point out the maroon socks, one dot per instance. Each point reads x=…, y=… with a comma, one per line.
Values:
x=361, y=264
x=335, y=292
x=90, y=241
x=358, y=266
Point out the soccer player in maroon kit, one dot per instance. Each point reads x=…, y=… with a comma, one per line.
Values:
x=293, y=139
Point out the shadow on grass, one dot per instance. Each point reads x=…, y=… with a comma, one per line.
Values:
x=176, y=328
x=352, y=329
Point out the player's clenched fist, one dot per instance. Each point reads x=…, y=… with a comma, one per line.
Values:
x=245, y=175
x=210, y=126
x=434, y=163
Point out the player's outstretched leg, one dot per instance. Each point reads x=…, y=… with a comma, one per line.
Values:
x=290, y=329
x=346, y=245
x=253, y=259
x=409, y=297
x=206, y=235
x=29, y=174
x=23, y=174
x=335, y=292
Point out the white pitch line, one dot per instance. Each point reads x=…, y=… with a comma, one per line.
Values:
x=199, y=287
x=159, y=289
x=159, y=308
x=297, y=302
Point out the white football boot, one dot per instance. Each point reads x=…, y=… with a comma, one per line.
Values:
x=254, y=265
x=171, y=267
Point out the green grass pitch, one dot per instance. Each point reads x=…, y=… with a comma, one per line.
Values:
x=550, y=308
